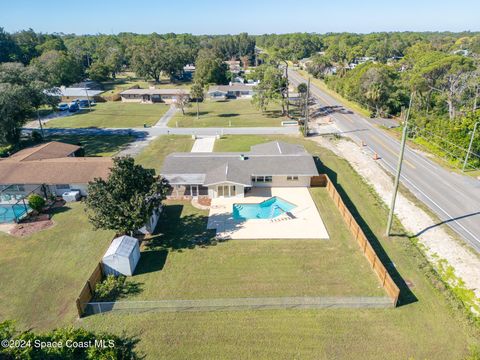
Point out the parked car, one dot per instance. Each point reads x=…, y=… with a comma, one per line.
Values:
x=62, y=106
x=84, y=103
x=73, y=107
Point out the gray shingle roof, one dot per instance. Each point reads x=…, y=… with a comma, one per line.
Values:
x=270, y=159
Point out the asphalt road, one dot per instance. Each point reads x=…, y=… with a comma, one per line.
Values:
x=453, y=197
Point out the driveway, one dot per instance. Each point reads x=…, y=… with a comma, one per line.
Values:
x=306, y=222
x=204, y=144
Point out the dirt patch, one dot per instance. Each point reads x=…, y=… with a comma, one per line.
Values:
x=205, y=201
x=32, y=225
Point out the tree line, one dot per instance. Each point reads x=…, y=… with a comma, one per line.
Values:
x=380, y=71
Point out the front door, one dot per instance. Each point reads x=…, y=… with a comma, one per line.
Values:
x=194, y=190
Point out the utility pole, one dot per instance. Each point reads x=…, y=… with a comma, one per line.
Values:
x=470, y=146
x=399, y=167
x=307, y=112
x=40, y=123
x=89, y=106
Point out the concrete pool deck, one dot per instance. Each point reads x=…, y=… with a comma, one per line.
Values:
x=306, y=222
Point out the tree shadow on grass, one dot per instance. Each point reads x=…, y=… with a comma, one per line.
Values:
x=175, y=232
x=406, y=295
x=194, y=113
x=228, y=115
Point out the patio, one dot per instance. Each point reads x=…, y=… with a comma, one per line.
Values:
x=305, y=223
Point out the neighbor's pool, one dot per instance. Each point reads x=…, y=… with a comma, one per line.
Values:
x=8, y=213
x=267, y=209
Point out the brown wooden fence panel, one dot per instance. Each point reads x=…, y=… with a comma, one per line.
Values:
x=88, y=289
x=378, y=267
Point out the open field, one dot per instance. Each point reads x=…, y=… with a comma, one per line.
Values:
x=112, y=115
x=94, y=145
x=173, y=268
x=224, y=113
x=425, y=326
x=42, y=274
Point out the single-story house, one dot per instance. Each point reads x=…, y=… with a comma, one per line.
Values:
x=233, y=66
x=53, y=164
x=68, y=94
x=233, y=90
x=212, y=175
x=150, y=96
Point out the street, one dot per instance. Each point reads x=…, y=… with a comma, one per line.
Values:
x=454, y=198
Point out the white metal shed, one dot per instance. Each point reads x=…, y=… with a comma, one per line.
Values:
x=122, y=256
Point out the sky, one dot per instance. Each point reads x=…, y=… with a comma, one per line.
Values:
x=232, y=17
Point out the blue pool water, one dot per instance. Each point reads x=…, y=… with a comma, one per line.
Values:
x=267, y=209
x=8, y=213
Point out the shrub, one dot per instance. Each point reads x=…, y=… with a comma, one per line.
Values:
x=36, y=137
x=36, y=202
x=116, y=347
x=5, y=150
x=115, y=287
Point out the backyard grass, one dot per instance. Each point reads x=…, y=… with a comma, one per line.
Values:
x=112, y=115
x=172, y=267
x=235, y=113
x=95, y=145
x=42, y=274
x=426, y=325
x=152, y=157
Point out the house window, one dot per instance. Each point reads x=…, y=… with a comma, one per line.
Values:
x=254, y=179
x=268, y=179
x=62, y=187
x=260, y=179
x=292, y=178
x=16, y=187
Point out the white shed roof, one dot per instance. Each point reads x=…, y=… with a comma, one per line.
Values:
x=121, y=246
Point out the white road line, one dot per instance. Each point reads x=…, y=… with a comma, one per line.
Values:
x=433, y=202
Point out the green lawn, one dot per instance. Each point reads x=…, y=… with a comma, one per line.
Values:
x=43, y=274
x=235, y=113
x=172, y=267
x=152, y=157
x=95, y=145
x=112, y=115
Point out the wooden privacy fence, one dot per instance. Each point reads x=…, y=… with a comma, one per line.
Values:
x=387, y=282
x=89, y=289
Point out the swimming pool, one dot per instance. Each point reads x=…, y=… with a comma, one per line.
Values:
x=267, y=209
x=8, y=213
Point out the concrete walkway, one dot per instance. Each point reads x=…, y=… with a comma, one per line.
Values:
x=162, y=123
x=240, y=304
x=204, y=144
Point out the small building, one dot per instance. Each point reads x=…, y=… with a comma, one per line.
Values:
x=122, y=256
x=232, y=91
x=151, y=96
x=68, y=94
x=233, y=66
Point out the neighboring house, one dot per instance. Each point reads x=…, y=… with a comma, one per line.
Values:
x=150, y=96
x=233, y=90
x=89, y=84
x=68, y=94
x=212, y=175
x=233, y=66
x=53, y=164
